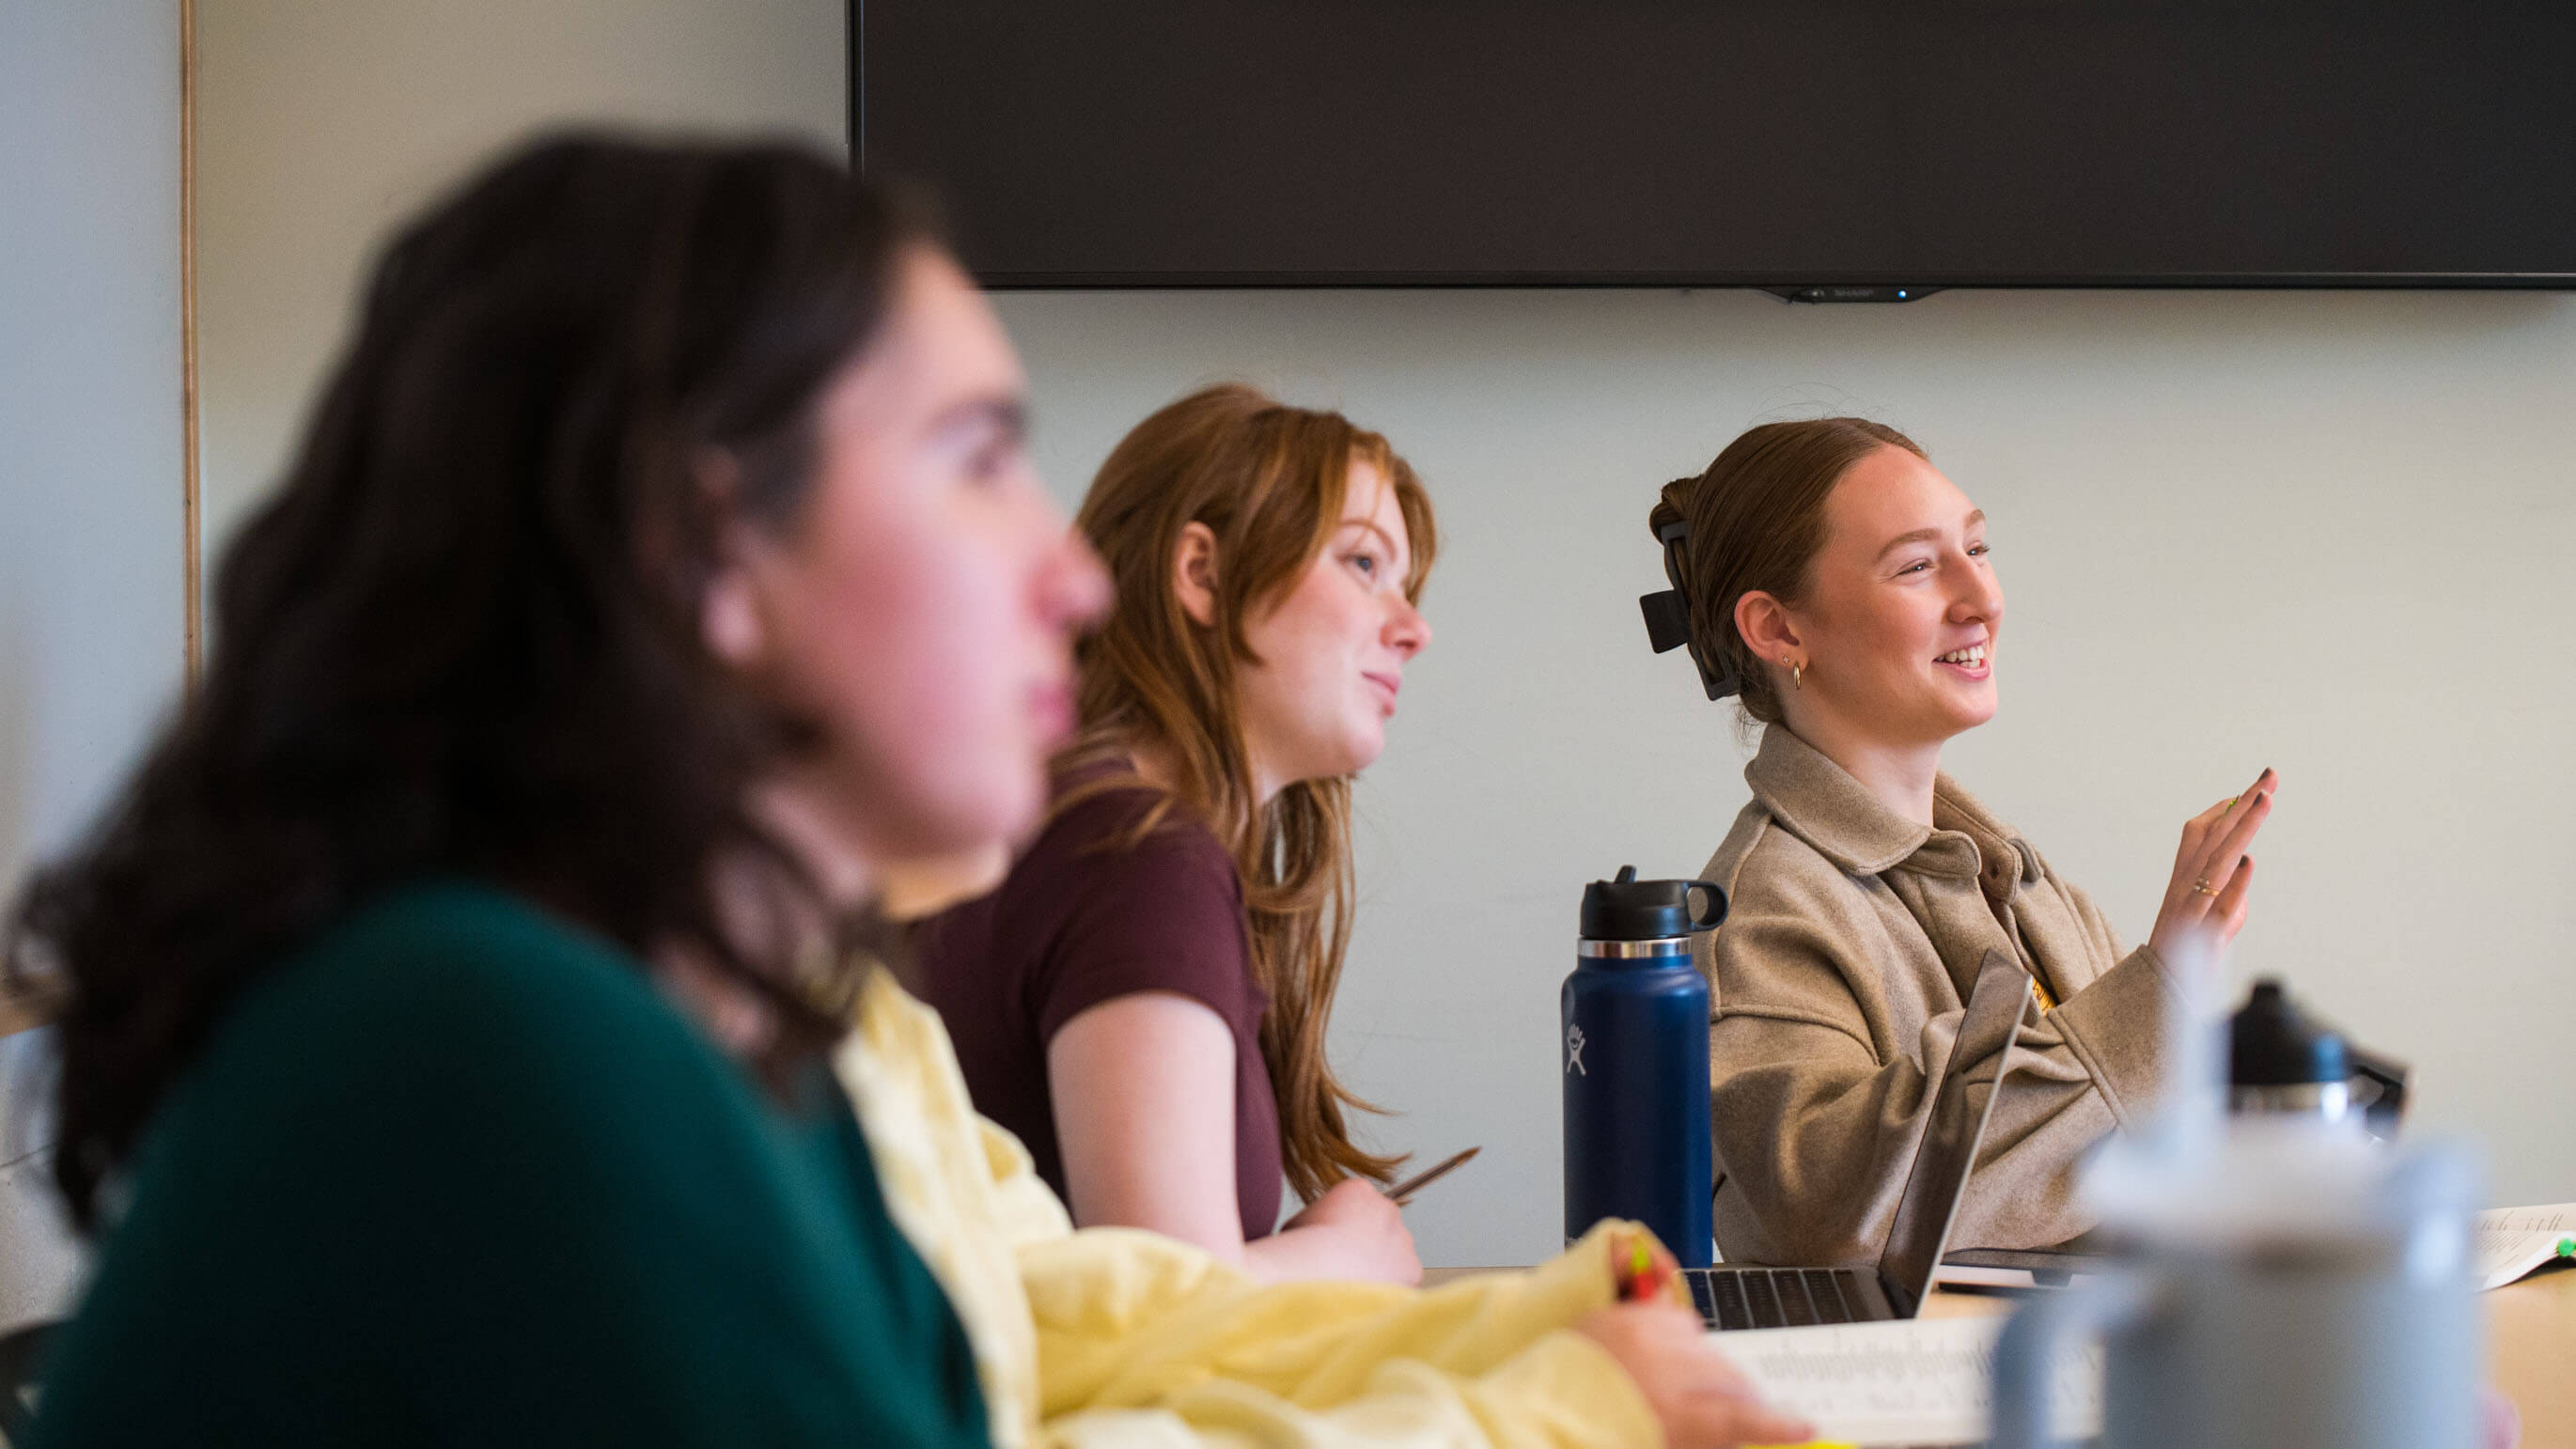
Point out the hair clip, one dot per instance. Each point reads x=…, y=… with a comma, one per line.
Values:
x=1668, y=618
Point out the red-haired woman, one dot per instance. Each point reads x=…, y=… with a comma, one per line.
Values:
x=1144, y=999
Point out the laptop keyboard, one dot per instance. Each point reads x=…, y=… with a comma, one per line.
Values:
x=1775, y=1297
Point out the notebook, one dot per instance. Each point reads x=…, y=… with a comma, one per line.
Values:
x=1917, y=1382
x=2512, y=1243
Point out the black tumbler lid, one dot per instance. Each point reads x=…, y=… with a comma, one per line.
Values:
x=1629, y=909
x=2271, y=1043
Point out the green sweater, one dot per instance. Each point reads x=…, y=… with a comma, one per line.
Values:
x=457, y=1174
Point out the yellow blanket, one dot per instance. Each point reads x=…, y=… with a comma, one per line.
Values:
x=1116, y=1337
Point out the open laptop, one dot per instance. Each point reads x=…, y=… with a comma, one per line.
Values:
x=1730, y=1296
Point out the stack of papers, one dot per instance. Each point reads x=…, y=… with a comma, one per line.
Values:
x=1919, y=1381
x=1927, y=1380
x=2511, y=1242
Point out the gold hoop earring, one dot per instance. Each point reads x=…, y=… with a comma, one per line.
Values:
x=1797, y=674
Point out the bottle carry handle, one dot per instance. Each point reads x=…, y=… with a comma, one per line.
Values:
x=2383, y=1111
x=1716, y=904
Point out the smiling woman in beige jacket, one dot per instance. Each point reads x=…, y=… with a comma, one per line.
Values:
x=1838, y=583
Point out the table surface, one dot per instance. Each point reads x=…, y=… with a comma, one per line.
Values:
x=2531, y=1344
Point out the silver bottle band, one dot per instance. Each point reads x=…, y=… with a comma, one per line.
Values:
x=1630, y=950
x=2329, y=1100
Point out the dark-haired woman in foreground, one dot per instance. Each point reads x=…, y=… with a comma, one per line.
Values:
x=445, y=1060
x=460, y=1047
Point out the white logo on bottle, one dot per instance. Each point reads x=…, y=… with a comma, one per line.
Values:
x=1574, y=1051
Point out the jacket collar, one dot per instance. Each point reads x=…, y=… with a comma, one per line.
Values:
x=1817, y=801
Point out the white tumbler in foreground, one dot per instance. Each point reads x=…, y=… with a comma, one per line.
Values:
x=2290, y=1284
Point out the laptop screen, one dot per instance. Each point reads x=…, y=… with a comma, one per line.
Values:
x=1960, y=1105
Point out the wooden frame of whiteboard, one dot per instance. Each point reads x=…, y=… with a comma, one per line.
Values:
x=25, y=1011
x=22, y=1008
x=190, y=567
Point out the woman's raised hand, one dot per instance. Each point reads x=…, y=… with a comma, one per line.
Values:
x=2204, y=904
x=1701, y=1400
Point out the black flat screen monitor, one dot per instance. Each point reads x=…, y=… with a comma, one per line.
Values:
x=1872, y=147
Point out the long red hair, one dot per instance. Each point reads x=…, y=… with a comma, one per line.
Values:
x=1269, y=481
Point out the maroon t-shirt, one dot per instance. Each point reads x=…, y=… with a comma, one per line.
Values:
x=1082, y=920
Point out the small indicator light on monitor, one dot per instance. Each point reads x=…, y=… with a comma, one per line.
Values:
x=1838, y=292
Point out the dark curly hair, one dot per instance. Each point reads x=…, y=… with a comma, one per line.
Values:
x=463, y=638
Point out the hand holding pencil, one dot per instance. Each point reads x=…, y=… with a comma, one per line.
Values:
x=1403, y=1192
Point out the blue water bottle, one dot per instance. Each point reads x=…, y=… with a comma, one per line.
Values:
x=1635, y=1048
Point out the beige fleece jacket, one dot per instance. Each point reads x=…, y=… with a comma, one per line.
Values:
x=1837, y=983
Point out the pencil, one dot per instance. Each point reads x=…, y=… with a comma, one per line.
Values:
x=1403, y=1191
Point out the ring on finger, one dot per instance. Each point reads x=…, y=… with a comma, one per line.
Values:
x=2202, y=887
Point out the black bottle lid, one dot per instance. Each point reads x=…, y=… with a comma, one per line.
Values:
x=1629, y=909
x=2271, y=1043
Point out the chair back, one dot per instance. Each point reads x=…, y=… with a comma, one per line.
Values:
x=21, y=1349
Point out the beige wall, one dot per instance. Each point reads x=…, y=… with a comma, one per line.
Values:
x=320, y=123
x=2328, y=532
x=323, y=122
x=2318, y=531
